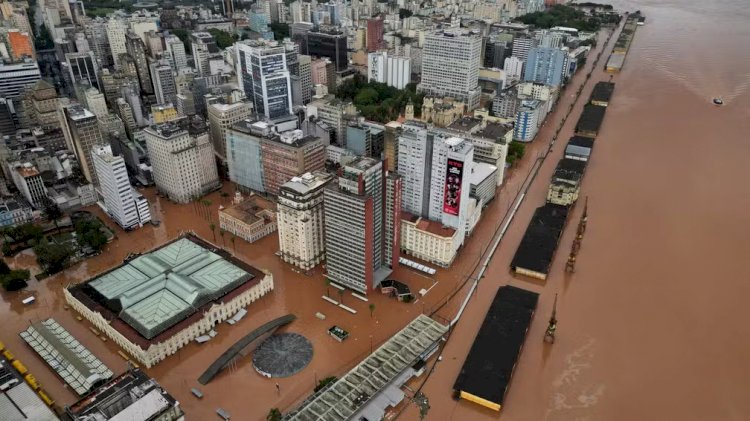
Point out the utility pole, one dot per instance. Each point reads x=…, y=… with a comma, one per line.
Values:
x=549, y=334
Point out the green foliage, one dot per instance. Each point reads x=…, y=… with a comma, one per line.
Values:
x=597, y=5
x=562, y=15
x=274, y=415
x=515, y=152
x=404, y=13
x=44, y=40
x=184, y=36
x=24, y=233
x=51, y=211
x=280, y=30
x=378, y=101
x=223, y=39
x=89, y=234
x=15, y=279
x=325, y=382
x=4, y=269
x=53, y=257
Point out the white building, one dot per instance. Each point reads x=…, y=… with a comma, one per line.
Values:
x=16, y=77
x=429, y=240
x=116, y=29
x=414, y=153
x=182, y=159
x=175, y=52
x=513, y=67
x=163, y=79
x=452, y=159
x=116, y=190
x=393, y=71
x=450, y=65
x=203, y=45
x=530, y=116
x=264, y=77
x=300, y=220
x=95, y=102
x=221, y=117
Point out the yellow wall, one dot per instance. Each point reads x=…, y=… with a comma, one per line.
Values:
x=484, y=402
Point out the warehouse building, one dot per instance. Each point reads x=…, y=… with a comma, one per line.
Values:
x=602, y=93
x=566, y=182
x=537, y=249
x=590, y=121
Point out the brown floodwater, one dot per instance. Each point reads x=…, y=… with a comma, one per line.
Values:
x=651, y=324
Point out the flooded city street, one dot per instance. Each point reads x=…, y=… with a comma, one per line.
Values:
x=650, y=325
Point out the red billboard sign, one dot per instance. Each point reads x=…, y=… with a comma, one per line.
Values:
x=452, y=196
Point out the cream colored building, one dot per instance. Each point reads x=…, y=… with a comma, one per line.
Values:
x=168, y=297
x=221, y=118
x=301, y=238
x=250, y=219
x=429, y=240
x=441, y=112
x=163, y=113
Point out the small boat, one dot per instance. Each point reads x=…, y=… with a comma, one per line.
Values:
x=718, y=101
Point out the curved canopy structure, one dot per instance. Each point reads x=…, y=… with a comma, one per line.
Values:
x=238, y=346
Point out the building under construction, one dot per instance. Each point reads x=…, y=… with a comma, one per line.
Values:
x=488, y=369
x=537, y=249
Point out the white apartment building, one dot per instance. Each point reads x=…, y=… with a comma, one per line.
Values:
x=513, y=67
x=429, y=241
x=175, y=52
x=300, y=220
x=452, y=159
x=116, y=29
x=414, y=165
x=182, y=159
x=95, y=102
x=116, y=191
x=450, y=65
x=393, y=71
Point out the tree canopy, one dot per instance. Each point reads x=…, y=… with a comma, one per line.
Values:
x=223, y=39
x=280, y=30
x=53, y=257
x=562, y=15
x=378, y=101
x=89, y=234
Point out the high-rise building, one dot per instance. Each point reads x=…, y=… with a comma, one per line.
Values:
x=82, y=134
x=545, y=65
x=116, y=191
x=82, y=69
x=175, y=52
x=137, y=51
x=328, y=44
x=244, y=154
x=450, y=65
x=365, y=139
x=162, y=76
x=528, y=119
x=452, y=160
x=414, y=166
x=300, y=219
x=116, y=29
x=265, y=77
x=29, y=182
x=288, y=155
x=355, y=225
x=96, y=34
x=522, y=46
x=391, y=70
x=94, y=101
x=15, y=77
x=203, y=45
x=375, y=31
x=40, y=106
x=305, y=77
x=182, y=159
x=390, y=144
x=513, y=67
x=221, y=117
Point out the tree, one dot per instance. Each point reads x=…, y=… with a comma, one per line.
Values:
x=328, y=287
x=280, y=30
x=223, y=39
x=89, y=234
x=341, y=296
x=212, y=226
x=15, y=279
x=372, y=308
x=52, y=212
x=515, y=152
x=325, y=382
x=184, y=36
x=52, y=257
x=224, y=196
x=4, y=269
x=274, y=415
x=223, y=240
x=234, y=246
x=404, y=13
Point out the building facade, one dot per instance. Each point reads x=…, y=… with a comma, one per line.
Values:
x=265, y=78
x=82, y=134
x=116, y=191
x=450, y=65
x=244, y=155
x=221, y=117
x=251, y=218
x=301, y=219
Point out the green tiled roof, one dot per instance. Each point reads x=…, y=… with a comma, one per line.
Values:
x=159, y=289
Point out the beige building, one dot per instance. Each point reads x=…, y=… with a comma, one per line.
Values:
x=221, y=117
x=300, y=218
x=158, y=302
x=163, y=113
x=428, y=240
x=251, y=218
x=441, y=112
